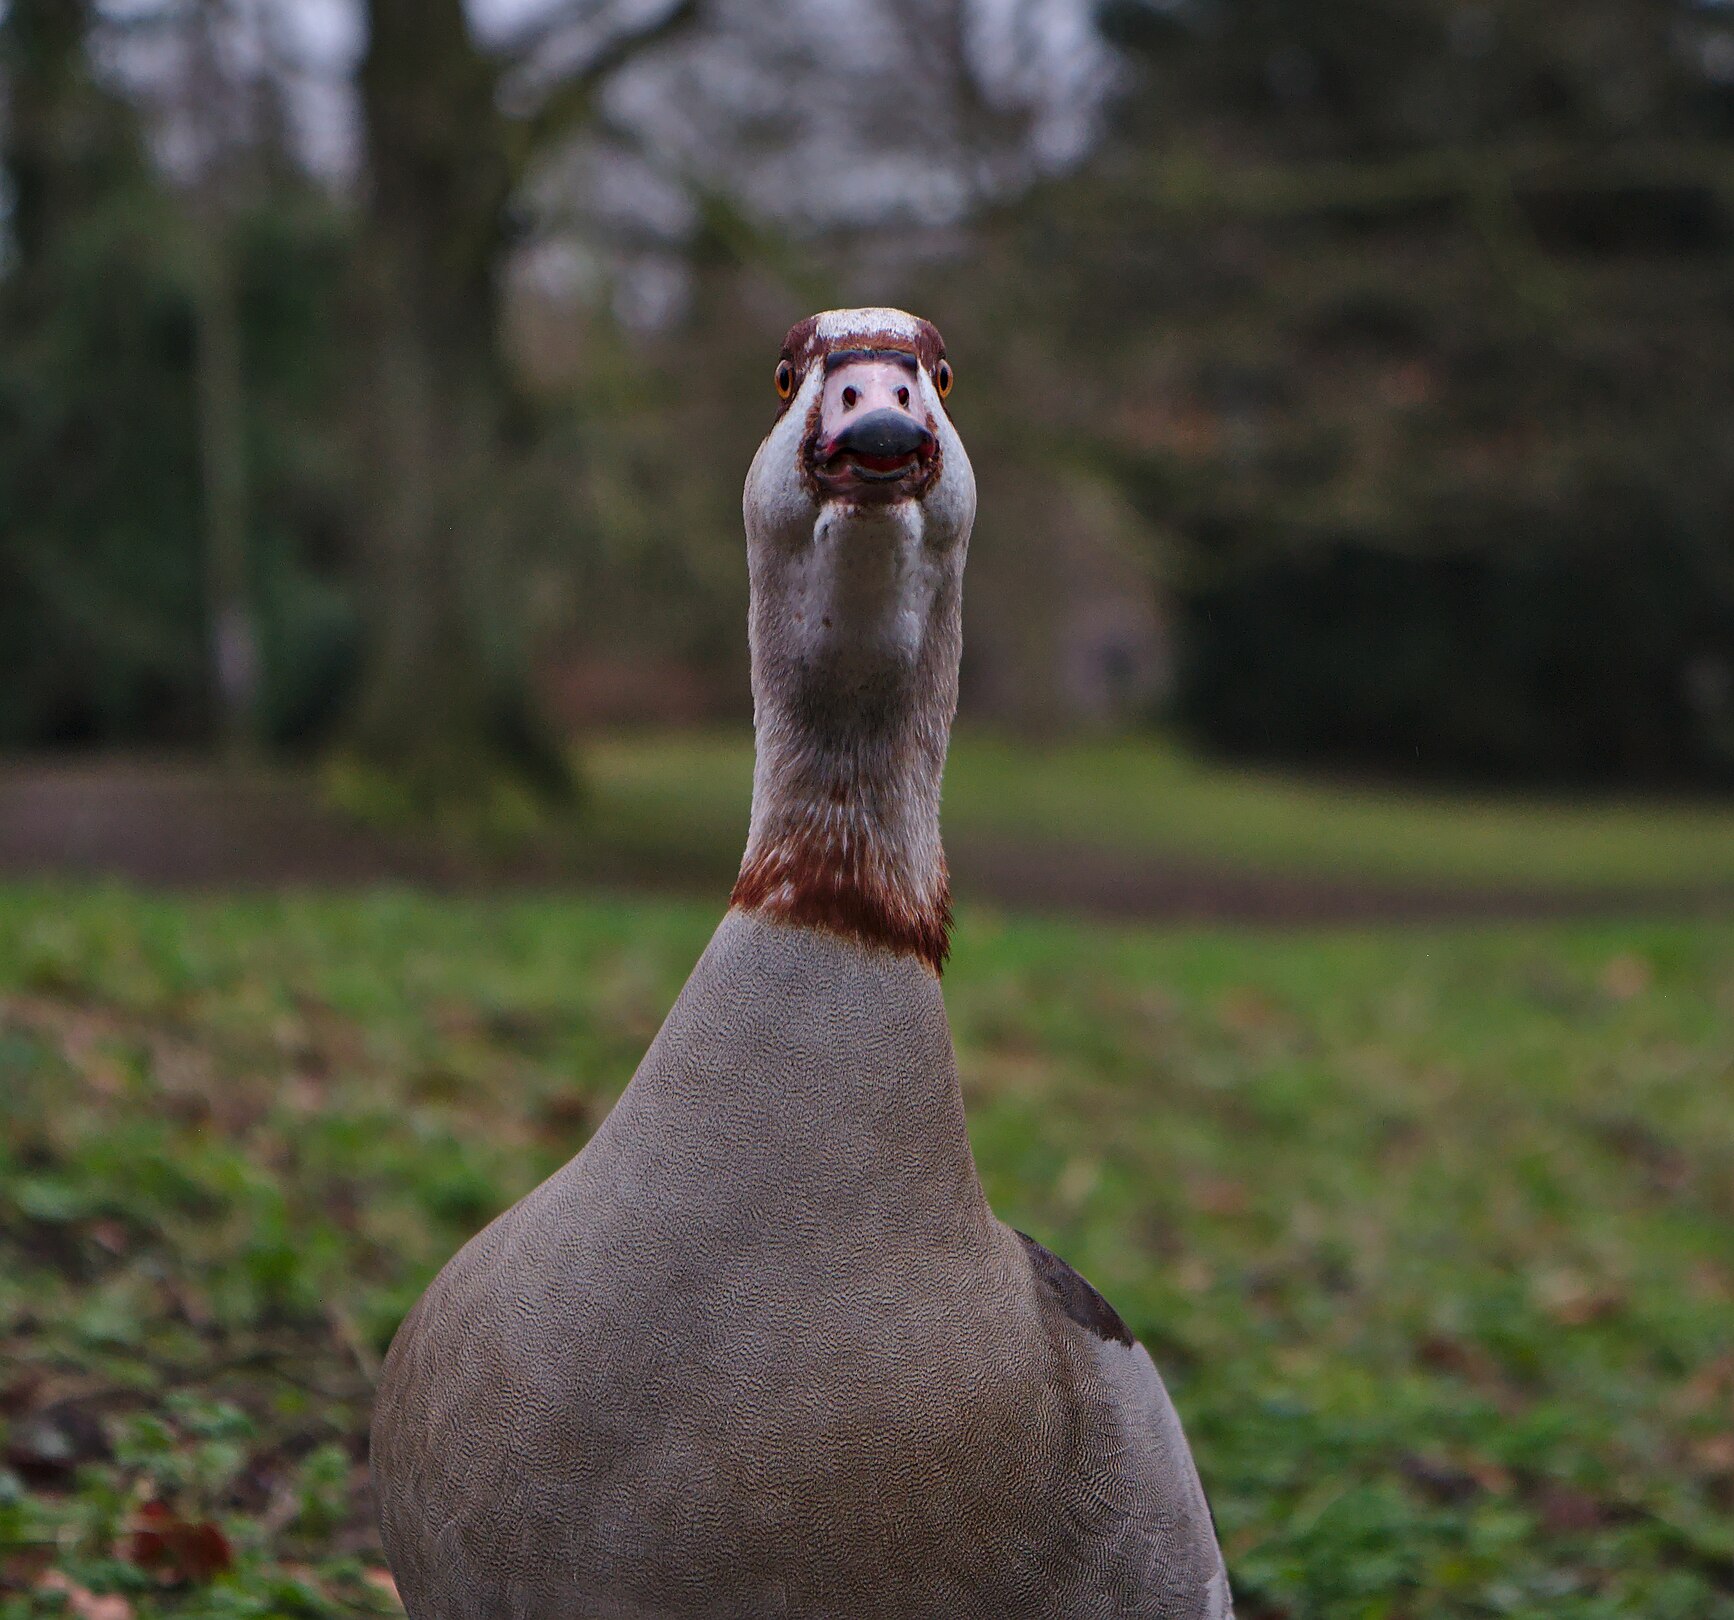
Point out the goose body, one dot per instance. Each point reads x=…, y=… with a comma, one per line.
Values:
x=761, y=1348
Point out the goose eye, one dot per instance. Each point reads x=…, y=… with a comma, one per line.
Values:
x=942, y=378
x=785, y=379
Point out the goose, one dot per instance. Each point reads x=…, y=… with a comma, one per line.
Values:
x=761, y=1348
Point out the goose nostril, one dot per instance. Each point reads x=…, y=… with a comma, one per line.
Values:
x=850, y=399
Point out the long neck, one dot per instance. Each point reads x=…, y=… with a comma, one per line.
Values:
x=800, y=1086
x=845, y=823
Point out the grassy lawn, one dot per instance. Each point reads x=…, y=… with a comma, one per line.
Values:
x=687, y=795
x=1432, y=1233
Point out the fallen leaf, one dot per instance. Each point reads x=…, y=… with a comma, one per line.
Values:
x=186, y=1301
x=1444, y=1353
x=176, y=1550
x=1565, y=1510
x=1438, y=1479
x=1193, y=1275
x=1711, y=1282
x=19, y=1394
x=1711, y=1386
x=111, y=1235
x=1625, y=977
x=1573, y=1300
x=1218, y=1195
x=1489, y=1475
x=1715, y=1454
x=24, y=1567
x=1245, y=1011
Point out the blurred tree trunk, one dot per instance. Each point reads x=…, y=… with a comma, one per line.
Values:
x=446, y=705
x=42, y=52
x=233, y=641
x=217, y=105
x=42, y=63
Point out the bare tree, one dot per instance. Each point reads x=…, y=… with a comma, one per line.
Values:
x=450, y=130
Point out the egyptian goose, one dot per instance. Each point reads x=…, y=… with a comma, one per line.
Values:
x=762, y=1348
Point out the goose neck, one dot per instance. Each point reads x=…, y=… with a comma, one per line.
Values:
x=845, y=824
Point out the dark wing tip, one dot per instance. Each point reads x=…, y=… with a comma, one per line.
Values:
x=1077, y=1298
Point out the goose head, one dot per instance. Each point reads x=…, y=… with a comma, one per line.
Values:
x=858, y=510
x=859, y=502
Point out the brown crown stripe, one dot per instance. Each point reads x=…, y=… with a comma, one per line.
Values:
x=803, y=881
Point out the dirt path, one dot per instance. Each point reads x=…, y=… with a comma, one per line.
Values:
x=188, y=826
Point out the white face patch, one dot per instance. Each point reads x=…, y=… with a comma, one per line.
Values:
x=777, y=504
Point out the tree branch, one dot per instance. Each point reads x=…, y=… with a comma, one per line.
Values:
x=544, y=103
x=1190, y=185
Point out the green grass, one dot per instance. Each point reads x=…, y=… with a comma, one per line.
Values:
x=684, y=798
x=1432, y=1233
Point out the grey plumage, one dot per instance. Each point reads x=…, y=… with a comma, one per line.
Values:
x=762, y=1349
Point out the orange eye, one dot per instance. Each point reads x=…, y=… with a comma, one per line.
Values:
x=785, y=379
x=942, y=378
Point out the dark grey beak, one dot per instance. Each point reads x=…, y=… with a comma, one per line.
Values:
x=882, y=435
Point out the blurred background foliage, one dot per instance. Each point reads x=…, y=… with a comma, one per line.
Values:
x=1347, y=382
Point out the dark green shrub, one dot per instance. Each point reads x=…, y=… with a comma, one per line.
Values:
x=1589, y=645
x=103, y=612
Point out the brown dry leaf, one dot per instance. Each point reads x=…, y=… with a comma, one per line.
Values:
x=1626, y=977
x=1193, y=1275
x=566, y=1114
x=1245, y=1011
x=1489, y=1475
x=1218, y=1195
x=1573, y=1300
x=1438, y=1478
x=24, y=1568
x=1711, y=1386
x=111, y=1235
x=83, y=1602
x=176, y=1550
x=1444, y=1353
x=1565, y=1510
x=186, y=1301
x=20, y=1394
x=1711, y=1282
x=1440, y=1352
x=304, y=1094
x=1715, y=1454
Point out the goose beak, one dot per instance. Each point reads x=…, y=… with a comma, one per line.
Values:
x=873, y=438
